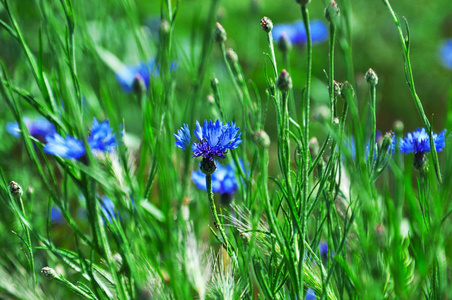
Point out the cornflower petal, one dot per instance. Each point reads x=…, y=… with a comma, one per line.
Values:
x=69, y=147
x=182, y=137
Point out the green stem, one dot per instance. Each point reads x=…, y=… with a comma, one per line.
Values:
x=272, y=52
x=28, y=239
x=373, y=117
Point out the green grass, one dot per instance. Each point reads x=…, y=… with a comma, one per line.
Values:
x=387, y=223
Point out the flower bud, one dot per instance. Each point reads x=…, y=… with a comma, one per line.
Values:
x=231, y=56
x=332, y=11
x=284, y=82
x=398, y=127
x=16, y=190
x=347, y=89
x=48, y=273
x=371, y=78
x=208, y=166
x=164, y=28
x=220, y=33
x=210, y=99
x=267, y=24
x=261, y=139
x=336, y=88
x=284, y=44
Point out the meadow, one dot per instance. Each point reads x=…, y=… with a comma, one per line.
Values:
x=243, y=149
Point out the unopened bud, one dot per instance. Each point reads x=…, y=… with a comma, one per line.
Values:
x=164, y=28
x=347, y=90
x=48, y=273
x=267, y=24
x=284, y=82
x=386, y=144
x=398, y=127
x=16, y=190
x=284, y=44
x=261, y=139
x=314, y=146
x=208, y=166
x=231, y=56
x=220, y=33
x=332, y=11
x=371, y=78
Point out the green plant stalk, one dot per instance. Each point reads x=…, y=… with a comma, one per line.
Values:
x=373, y=119
x=305, y=15
x=226, y=243
x=28, y=239
x=405, y=40
x=272, y=53
x=333, y=100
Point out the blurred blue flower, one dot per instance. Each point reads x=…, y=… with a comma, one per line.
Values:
x=296, y=32
x=38, y=128
x=102, y=137
x=310, y=294
x=323, y=249
x=143, y=70
x=69, y=147
x=446, y=53
x=108, y=209
x=223, y=179
x=214, y=139
x=55, y=215
x=419, y=141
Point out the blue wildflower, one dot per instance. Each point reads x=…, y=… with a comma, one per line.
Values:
x=69, y=147
x=55, y=215
x=102, y=137
x=108, y=209
x=296, y=32
x=214, y=139
x=446, y=53
x=183, y=137
x=323, y=249
x=419, y=141
x=38, y=128
x=223, y=180
x=310, y=294
x=143, y=70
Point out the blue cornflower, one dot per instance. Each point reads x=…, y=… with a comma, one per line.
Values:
x=38, y=128
x=446, y=53
x=310, y=294
x=419, y=141
x=108, y=209
x=102, y=137
x=214, y=139
x=223, y=179
x=323, y=249
x=69, y=147
x=296, y=32
x=143, y=70
x=183, y=137
x=55, y=215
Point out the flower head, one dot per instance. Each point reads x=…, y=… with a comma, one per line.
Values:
x=69, y=147
x=215, y=139
x=296, y=32
x=419, y=141
x=446, y=53
x=102, y=137
x=38, y=128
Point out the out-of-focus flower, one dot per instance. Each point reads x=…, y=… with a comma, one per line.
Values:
x=419, y=141
x=446, y=53
x=55, y=215
x=69, y=147
x=141, y=71
x=296, y=33
x=108, y=209
x=323, y=249
x=102, y=137
x=310, y=294
x=38, y=128
x=183, y=137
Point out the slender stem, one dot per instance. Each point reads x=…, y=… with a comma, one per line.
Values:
x=272, y=52
x=28, y=239
x=373, y=117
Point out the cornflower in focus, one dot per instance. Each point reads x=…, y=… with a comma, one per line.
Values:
x=446, y=53
x=101, y=139
x=39, y=128
x=296, y=32
x=215, y=139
